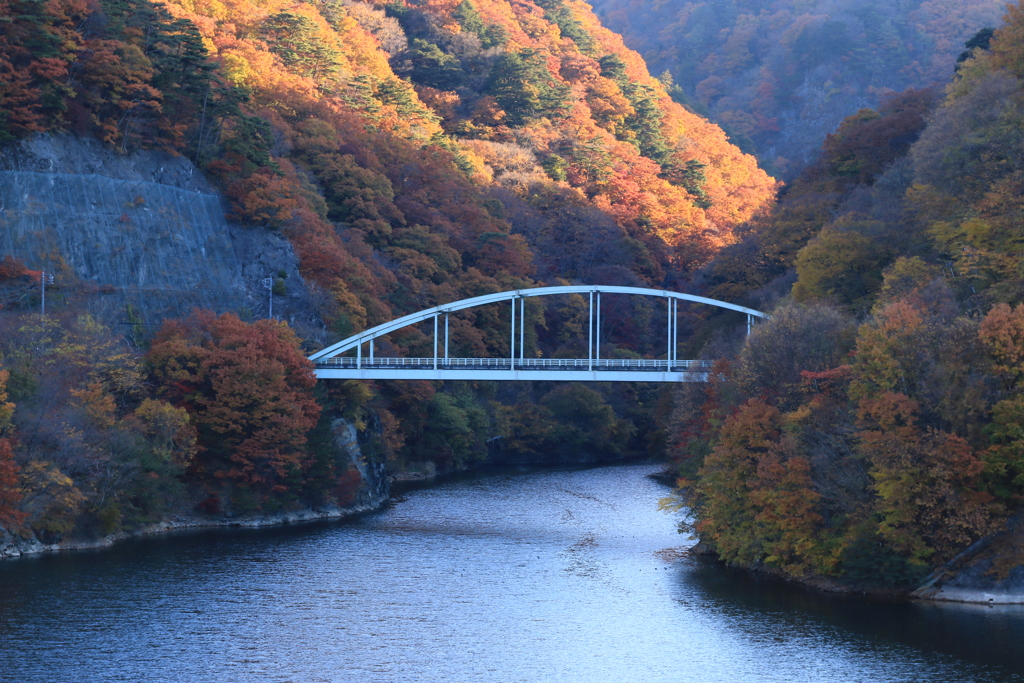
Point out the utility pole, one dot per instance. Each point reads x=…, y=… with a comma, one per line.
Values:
x=268, y=284
x=45, y=279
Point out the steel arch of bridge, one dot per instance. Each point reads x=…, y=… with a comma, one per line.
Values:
x=330, y=365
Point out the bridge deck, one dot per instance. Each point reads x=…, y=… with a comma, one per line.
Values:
x=536, y=369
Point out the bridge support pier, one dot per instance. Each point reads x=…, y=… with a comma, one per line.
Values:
x=673, y=333
x=512, y=342
x=590, y=333
x=522, y=329
x=668, y=328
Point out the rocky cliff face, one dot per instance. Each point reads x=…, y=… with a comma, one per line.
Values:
x=990, y=571
x=140, y=237
x=134, y=239
x=376, y=480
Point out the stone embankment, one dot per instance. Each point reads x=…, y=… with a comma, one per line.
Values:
x=141, y=232
x=990, y=572
x=15, y=546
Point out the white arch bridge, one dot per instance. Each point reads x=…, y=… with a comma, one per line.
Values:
x=331, y=364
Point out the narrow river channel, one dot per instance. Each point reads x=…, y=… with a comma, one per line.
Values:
x=538, y=577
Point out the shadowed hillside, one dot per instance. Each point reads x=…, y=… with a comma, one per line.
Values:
x=779, y=75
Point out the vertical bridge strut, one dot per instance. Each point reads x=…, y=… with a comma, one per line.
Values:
x=331, y=364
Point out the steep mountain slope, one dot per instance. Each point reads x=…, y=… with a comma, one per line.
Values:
x=411, y=153
x=779, y=75
x=870, y=432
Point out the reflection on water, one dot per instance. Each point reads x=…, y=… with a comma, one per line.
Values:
x=979, y=633
x=551, y=576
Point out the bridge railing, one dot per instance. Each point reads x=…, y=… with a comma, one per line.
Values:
x=439, y=315
x=649, y=364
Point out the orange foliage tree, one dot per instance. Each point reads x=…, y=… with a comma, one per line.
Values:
x=1002, y=335
x=728, y=515
x=755, y=497
x=248, y=388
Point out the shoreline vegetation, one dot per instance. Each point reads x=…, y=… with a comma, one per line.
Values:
x=930, y=590
x=376, y=496
x=384, y=157
x=870, y=431
x=13, y=548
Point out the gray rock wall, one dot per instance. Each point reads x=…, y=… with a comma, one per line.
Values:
x=376, y=481
x=990, y=571
x=144, y=230
x=67, y=154
x=147, y=231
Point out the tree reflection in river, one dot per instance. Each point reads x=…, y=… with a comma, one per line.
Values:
x=540, y=576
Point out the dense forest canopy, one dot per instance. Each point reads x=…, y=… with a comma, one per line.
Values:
x=413, y=153
x=870, y=431
x=779, y=75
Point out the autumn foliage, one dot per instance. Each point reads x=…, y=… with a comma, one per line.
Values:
x=10, y=493
x=414, y=153
x=411, y=153
x=374, y=103
x=779, y=75
x=247, y=389
x=883, y=400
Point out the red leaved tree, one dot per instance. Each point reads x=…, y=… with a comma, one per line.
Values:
x=10, y=494
x=249, y=390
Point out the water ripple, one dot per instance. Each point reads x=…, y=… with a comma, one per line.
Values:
x=558, y=576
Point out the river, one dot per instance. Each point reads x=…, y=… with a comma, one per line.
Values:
x=538, y=577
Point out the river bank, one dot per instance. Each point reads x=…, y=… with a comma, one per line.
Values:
x=578, y=564
x=14, y=546
x=980, y=575
x=990, y=572
x=378, y=488
x=371, y=495
x=819, y=583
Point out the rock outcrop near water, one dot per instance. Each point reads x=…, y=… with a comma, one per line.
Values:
x=141, y=236
x=990, y=571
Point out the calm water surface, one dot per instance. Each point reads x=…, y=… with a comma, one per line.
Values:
x=553, y=576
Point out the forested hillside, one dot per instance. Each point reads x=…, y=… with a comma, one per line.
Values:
x=413, y=154
x=779, y=75
x=418, y=153
x=871, y=430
